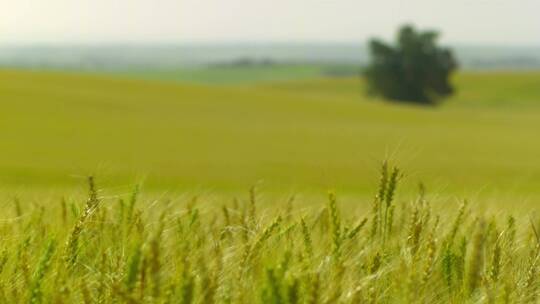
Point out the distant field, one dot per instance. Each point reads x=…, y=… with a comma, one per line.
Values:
x=307, y=134
x=233, y=74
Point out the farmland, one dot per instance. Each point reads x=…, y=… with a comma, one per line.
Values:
x=304, y=135
x=279, y=187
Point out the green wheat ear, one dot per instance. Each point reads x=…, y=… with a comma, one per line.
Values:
x=36, y=292
x=476, y=261
x=306, y=236
x=133, y=269
x=92, y=204
x=335, y=222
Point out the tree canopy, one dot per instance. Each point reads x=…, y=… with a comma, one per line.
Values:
x=414, y=70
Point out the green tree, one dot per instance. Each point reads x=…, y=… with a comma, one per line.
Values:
x=415, y=70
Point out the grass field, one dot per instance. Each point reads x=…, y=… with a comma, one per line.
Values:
x=306, y=135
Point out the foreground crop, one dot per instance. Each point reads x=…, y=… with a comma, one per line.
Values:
x=124, y=250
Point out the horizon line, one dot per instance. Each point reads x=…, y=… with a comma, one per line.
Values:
x=240, y=43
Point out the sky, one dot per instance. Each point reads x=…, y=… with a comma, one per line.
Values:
x=494, y=22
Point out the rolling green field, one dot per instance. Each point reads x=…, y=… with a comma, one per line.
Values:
x=304, y=135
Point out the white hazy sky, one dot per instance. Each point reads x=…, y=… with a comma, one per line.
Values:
x=503, y=22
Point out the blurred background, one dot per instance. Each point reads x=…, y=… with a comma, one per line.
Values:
x=295, y=96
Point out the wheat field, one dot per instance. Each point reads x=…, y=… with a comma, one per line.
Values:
x=305, y=135
x=193, y=229
x=126, y=249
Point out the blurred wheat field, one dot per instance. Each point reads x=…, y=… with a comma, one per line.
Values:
x=304, y=135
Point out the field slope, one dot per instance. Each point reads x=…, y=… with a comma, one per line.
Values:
x=306, y=135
